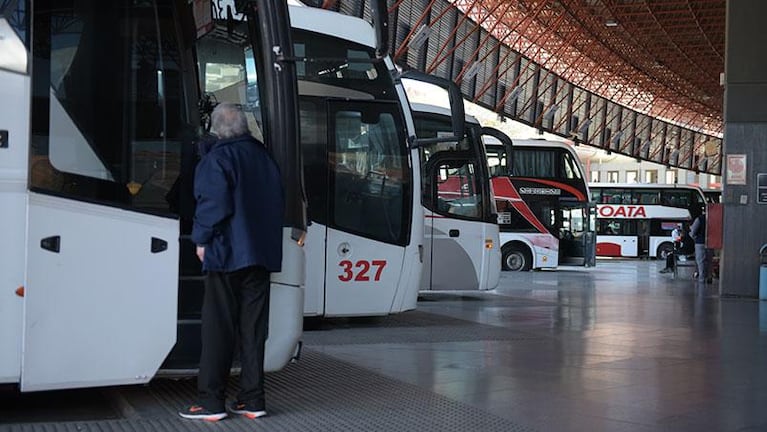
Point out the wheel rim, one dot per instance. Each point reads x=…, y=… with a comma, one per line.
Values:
x=515, y=261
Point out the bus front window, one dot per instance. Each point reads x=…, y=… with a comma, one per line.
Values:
x=228, y=74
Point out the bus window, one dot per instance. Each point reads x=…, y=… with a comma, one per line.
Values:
x=571, y=169
x=314, y=137
x=14, y=18
x=596, y=195
x=368, y=162
x=682, y=198
x=616, y=196
x=15, y=12
x=646, y=196
x=111, y=130
x=458, y=190
x=621, y=227
x=228, y=74
x=540, y=163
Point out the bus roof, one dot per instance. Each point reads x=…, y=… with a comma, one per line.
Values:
x=435, y=109
x=319, y=21
x=333, y=24
x=531, y=143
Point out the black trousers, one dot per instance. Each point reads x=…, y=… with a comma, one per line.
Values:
x=235, y=305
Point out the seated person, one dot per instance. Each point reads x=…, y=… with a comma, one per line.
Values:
x=676, y=235
x=683, y=247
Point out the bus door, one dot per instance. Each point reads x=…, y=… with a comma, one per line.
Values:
x=590, y=237
x=369, y=206
x=455, y=237
x=643, y=238
x=102, y=246
x=573, y=238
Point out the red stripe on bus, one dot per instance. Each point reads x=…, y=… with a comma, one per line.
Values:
x=578, y=194
x=608, y=249
x=505, y=190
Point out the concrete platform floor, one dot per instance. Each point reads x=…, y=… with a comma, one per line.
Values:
x=618, y=347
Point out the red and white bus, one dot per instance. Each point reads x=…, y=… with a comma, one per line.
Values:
x=543, y=203
x=636, y=220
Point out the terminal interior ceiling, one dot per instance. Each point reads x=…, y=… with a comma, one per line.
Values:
x=636, y=77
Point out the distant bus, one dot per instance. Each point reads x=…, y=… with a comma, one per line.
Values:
x=636, y=220
x=544, y=211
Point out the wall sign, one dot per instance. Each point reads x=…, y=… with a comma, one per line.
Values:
x=736, y=169
x=761, y=188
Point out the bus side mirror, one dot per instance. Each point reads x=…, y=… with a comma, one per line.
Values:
x=457, y=114
x=508, y=146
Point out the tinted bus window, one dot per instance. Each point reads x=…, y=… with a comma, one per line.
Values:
x=570, y=166
x=348, y=75
x=616, y=196
x=15, y=13
x=683, y=198
x=647, y=196
x=620, y=227
x=108, y=117
x=540, y=163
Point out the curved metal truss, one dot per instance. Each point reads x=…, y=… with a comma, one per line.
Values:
x=636, y=77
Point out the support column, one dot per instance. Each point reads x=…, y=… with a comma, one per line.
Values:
x=745, y=132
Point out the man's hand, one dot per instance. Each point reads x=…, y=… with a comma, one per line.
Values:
x=201, y=253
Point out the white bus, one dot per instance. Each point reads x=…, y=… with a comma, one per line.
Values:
x=544, y=213
x=461, y=248
x=362, y=174
x=365, y=238
x=636, y=220
x=96, y=124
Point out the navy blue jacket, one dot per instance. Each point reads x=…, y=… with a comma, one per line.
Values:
x=698, y=229
x=240, y=206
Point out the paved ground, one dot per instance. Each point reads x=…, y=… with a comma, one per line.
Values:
x=618, y=347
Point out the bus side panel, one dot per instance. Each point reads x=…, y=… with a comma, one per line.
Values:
x=617, y=246
x=14, y=119
x=491, y=258
x=314, y=296
x=543, y=247
x=102, y=294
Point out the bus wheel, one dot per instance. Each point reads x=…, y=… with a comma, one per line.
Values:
x=664, y=249
x=517, y=258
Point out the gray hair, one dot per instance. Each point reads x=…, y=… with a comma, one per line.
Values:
x=228, y=121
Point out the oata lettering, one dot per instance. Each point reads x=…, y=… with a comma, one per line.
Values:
x=629, y=211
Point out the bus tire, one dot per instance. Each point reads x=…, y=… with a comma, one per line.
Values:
x=664, y=249
x=517, y=258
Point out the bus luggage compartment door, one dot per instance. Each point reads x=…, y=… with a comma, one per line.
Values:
x=101, y=294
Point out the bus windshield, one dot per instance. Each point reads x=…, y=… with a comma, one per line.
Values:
x=345, y=65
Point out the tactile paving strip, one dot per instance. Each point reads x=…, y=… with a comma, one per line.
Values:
x=411, y=327
x=319, y=393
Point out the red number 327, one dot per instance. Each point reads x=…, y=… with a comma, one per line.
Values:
x=362, y=267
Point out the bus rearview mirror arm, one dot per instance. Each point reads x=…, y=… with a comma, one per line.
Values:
x=380, y=14
x=457, y=112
